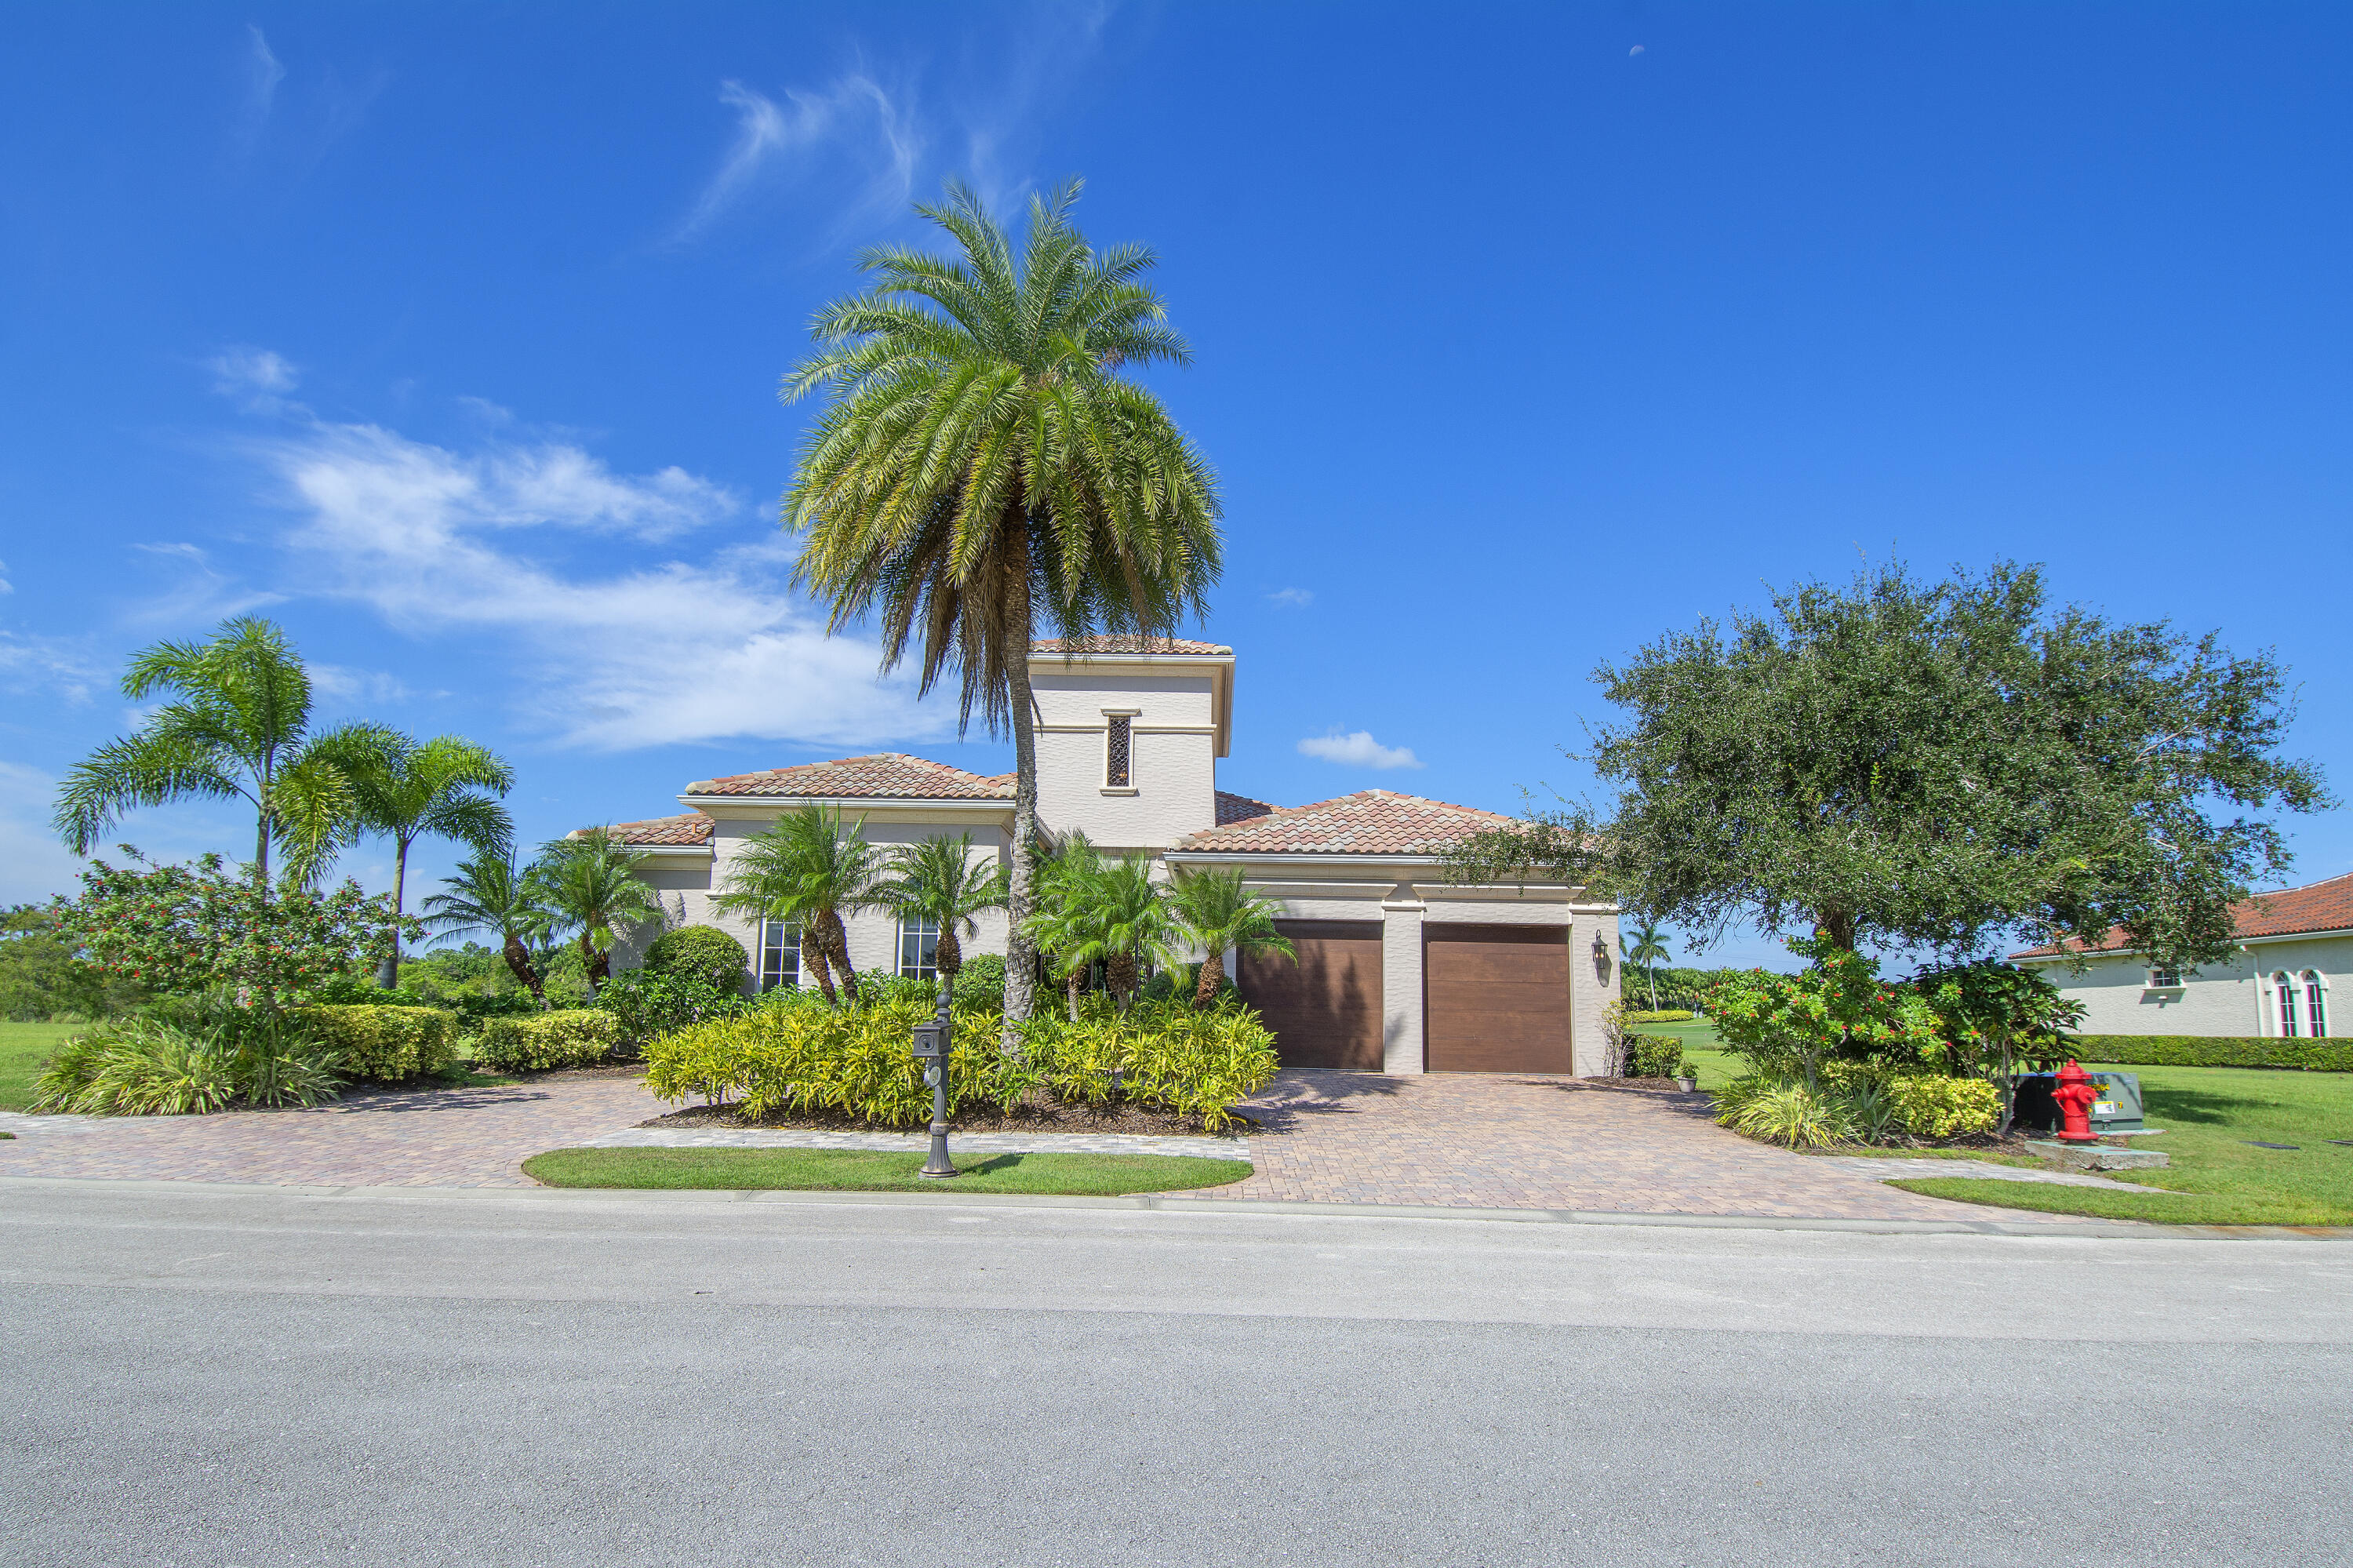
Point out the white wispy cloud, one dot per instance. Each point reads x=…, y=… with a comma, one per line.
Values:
x=854, y=116
x=342, y=685
x=262, y=75
x=34, y=663
x=608, y=655
x=1298, y=598
x=1357, y=749
x=199, y=593
x=240, y=371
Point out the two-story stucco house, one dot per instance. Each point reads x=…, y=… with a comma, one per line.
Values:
x=2279, y=981
x=1398, y=971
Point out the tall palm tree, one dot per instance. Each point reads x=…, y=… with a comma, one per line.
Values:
x=807, y=868
x=1646, y=945
x=1221, y=915
x=405, y=789
x=490, y=894
x=938, y=880
x=983, y=468
x=592, y=888
x=237, y=728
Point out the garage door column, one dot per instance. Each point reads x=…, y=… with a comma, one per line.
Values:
x=1592, y=985
x=1401, y=990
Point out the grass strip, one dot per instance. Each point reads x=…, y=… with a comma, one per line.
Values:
x=879, y=1171
x=2160, y=1208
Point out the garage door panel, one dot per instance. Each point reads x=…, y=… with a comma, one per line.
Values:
x=1497, y=999
x=1324, y=1010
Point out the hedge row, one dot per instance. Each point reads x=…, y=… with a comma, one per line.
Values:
x=2216, y=1051
x=1163, y=1055
x=576, y=1037
x=387, y=1044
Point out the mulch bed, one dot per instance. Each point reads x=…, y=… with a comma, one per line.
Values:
x=1046, y=1116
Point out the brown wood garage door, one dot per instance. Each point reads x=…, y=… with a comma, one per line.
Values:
x=1496, y=999
x=1326, y=1010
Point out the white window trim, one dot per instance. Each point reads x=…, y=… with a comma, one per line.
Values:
x=899, y=966
x=2309, y=981
x=760, y=956
x=2153, y=983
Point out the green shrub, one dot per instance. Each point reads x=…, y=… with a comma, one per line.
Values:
x=645, y=1003
x=1791, y=1113
x=575, y=1037
x=1664, y=1015
x=704, y=953
x=879, y=990
x=1944, y=1108
x=1653, y=1056
x=151, y=1065
x=2216, y=1051
x=1162, y=1055
x=387, y=1045
x=980, y=984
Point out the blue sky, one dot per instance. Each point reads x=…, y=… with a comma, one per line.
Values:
x=450, y=337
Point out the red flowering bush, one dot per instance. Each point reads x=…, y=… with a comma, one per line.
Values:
x=202, y=926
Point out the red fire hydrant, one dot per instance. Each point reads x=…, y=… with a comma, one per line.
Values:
x=2076, y=1092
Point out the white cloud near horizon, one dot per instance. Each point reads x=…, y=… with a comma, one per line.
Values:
x=1357, y=749
x=855, y=112
x=626, y=649
x=1297, y=598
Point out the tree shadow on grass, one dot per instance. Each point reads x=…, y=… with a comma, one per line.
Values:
x=2200, y=1105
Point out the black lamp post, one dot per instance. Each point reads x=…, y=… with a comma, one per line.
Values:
x=934, y=1040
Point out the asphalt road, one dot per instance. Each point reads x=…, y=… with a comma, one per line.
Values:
x=225, y=1376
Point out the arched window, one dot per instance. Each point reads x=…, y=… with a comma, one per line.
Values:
x=2286, y=989
x=2315, y=1005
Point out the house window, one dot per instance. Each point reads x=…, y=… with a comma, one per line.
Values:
x=919, y=944
x=2286, y=989
x=2165, y=980
x=2315, y=1005
x=1117, y=773
x=780, y=955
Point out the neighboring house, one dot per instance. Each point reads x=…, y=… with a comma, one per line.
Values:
x=2280, y=981
x=1398, y=971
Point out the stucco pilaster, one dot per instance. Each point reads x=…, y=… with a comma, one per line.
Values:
x=1593, y=983
x=1402, y=1035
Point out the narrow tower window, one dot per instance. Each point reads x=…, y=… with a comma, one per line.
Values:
x=2315, y=1005
x=1116, y=754
x=2286, y=989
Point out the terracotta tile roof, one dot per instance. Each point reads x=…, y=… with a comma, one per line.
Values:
x=1232, y=807
x=688, y=828
x=1371, y=822
x=1126, y=645
x=885, y=774
x=2322, y=906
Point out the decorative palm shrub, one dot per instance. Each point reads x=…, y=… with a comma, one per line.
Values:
x=1158, y=1055
x=152, y=1064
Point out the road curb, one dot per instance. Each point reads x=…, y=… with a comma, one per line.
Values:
x=1246, y=1207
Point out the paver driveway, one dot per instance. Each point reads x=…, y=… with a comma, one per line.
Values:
x=1449, y=1139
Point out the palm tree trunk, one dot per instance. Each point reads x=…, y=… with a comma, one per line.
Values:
x=1073, y=982
x=813, y=957
x=387, y=974
x=1119, y=972
x=1020, y=954
x=519, y=963
x=262, y=846
x=948, y=957
x=837, y=940
x=598, y=964
x=1213, y=969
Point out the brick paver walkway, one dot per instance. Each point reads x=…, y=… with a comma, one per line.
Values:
x=423, y=1137
x=1496, y=1140
x=1456, y=1140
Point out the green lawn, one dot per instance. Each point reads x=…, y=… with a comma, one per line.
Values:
x=875, y=1170
x=2213, y=1116
x=23, y=1048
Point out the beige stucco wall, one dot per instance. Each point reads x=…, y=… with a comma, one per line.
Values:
x=2229, y=998
x=1173, y=767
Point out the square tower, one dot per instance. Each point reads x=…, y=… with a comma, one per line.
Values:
x=1129, y=733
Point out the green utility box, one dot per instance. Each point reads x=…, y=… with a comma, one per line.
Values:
x=2116, y=1110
